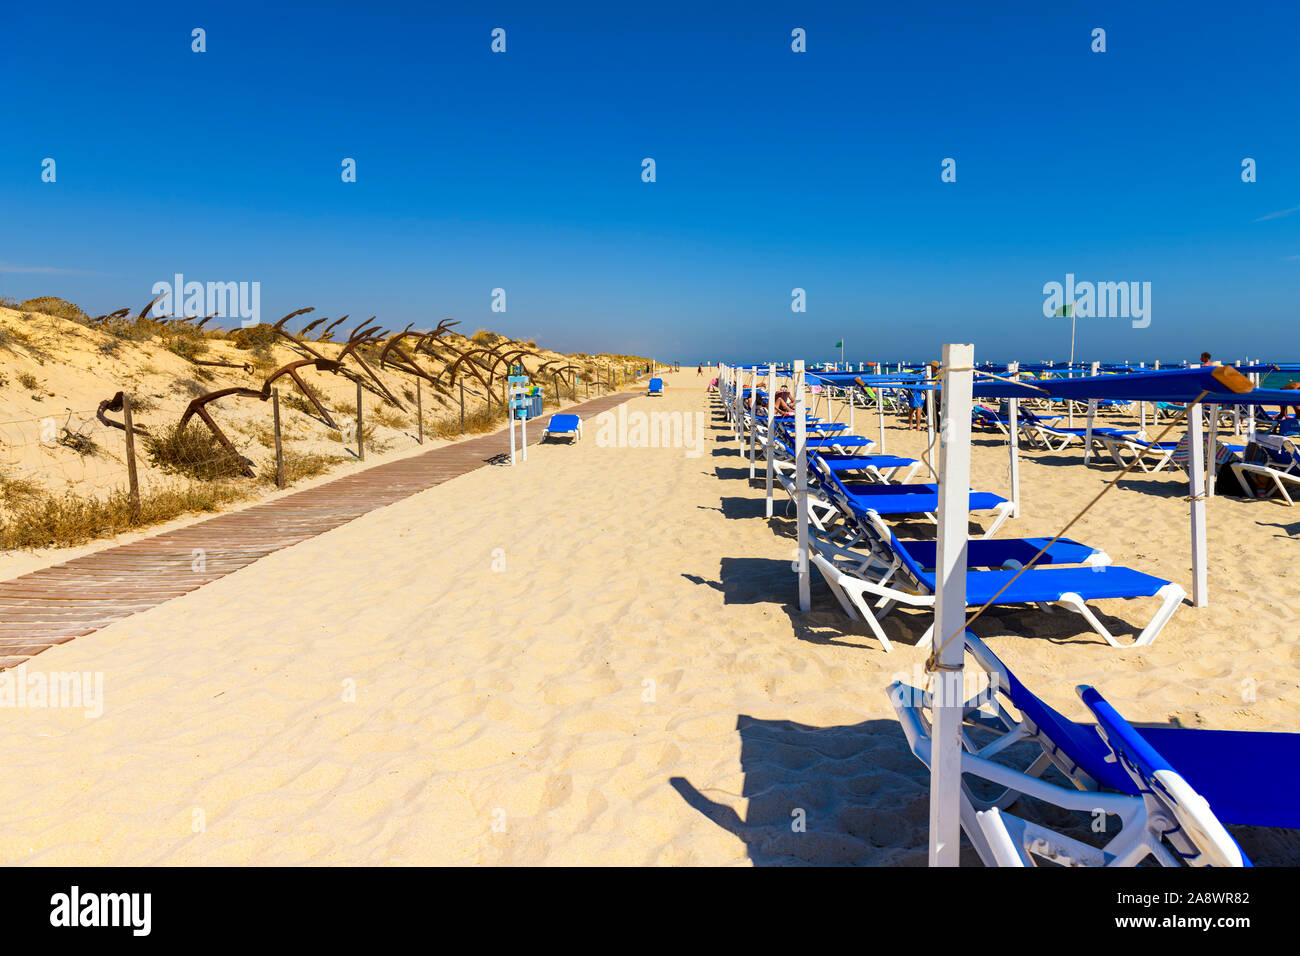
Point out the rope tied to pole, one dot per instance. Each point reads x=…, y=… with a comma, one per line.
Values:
x=931, y=663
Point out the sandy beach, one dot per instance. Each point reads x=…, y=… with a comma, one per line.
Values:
x=596, y=658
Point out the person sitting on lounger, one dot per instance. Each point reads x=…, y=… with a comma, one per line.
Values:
x=784, y=401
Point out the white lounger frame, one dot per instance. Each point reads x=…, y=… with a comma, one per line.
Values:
x=1178, y=815
x=1150, y=458
x=866, y=588
x=1279, y=477
x=576, y=432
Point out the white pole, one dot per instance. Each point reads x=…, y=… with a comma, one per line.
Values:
x=523, y=432
x=801, y=483
x=1211, y=458
x=1196, y=488
x=852, y=428
x=1087, y=432
x=929, y=426
x=771, y=432
x=1250, y=411
x=753, y=418
x=735, y=401
x=880, y=415
x=1013, y=426
x=510, y=412
x=1092, y=412
x=1069, y=402
x=950, y=607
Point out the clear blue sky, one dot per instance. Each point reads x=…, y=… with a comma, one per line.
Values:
x=775, y=169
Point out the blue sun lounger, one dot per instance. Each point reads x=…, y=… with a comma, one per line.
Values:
x=855, y=499
x=563, y=425
x=893, y=574
x=656, y=387
x=1039, y=431
x=879, y=467
x=1173, y=788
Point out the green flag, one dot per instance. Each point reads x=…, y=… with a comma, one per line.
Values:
x=839, y=344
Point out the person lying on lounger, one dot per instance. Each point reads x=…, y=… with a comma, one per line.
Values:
x=784, y=401
x=1282, y=409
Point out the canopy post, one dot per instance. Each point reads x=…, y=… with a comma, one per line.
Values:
x=753, y=418
x=1013, y=426
x=1069, y=402
x=736, y=389
x=1196, y=489
x=950, y=607
x=880, y=414
x=771, y=432
x=1250, y=409
x=801, y=482
x=852, y=427
x=1092, y=413
x=1087, y=432
x=1211, y=455
x=929, y=427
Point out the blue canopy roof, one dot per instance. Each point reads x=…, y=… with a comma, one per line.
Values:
x=1166, y=385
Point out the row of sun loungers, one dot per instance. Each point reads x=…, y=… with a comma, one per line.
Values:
x=871, y=572
x=1172, y=789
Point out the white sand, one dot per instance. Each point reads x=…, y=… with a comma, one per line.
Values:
x=633, y=688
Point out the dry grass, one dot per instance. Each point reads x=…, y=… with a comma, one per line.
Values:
x=258, y=338
x=297, y=466
x=389, y=419
x=53, y=305
x=194, y=452
x=348, y=437
x=184, y=340
x=299, y=403
x=476, y=422
x=15, y=492
x=66, y=520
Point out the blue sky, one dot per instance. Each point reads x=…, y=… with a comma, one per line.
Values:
x=775, y=170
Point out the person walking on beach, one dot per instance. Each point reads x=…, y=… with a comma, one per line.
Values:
x=915, y=402
x=700, y=372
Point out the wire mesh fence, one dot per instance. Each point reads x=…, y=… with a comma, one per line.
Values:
x=74, y=474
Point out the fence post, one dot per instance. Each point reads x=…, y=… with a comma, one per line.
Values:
x=361, y=432
x=133, y=481
x=555, y=378
x=279, y=448
x=462, y=406
x=419, y=413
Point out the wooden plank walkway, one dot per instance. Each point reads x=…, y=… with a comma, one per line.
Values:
x=78, y=597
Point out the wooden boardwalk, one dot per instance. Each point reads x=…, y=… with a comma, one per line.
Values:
x=80, y=596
